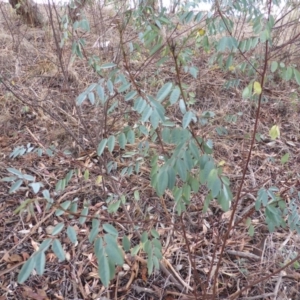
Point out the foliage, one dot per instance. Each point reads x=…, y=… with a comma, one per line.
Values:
x=184, y=164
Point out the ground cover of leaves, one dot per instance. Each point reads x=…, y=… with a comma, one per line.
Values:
x=52, y=115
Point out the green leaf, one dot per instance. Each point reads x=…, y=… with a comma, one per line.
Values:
x=285, y=158
x=209, y=165
x=274, y=66
x=124, y=87
x=84, y=24
x=110, y=229
x=130, y=95
x=28, y=177
x=186, y=193
x=246, y=92
x=195, y=185
x=122, y=140
x=15, y=186
x=154, y=119
x=113, y=251
x=189, y=17
x=58, y=250
x=136, y=195
x=126, y=243
x=187, y=118
x=101, y=147
x=150, y=265
x=72, y=235
x=104, y=269
x=264, y=35
x=162, y=182
x=103, y=262
x=140, y=104
x=144, y=237
x=207, y=200
x=130, y=136
x=193, y=71
x=135, y=250
x=84, y=213
x=194, y=150
x=251, y=230
x=297, y=76
x=146, y=113
x=157, y=244
x=69, y=176
x=227, y=42
x=262, y=198
x=214, y=182
x=112, y=269
x=91, y=97
x=95, y=230
x=156, y=262
x=60, y=185
x=23, y=205
x=223, y=199
x=9, y=179
x=107, y=66
x=26, y=270
x=15, y=172
x=36, y=186
x=101, y=94
x=40, y=262
x=248, y=222
x=287, y=74
x=225, y=180
x=282, y=65
x=162, y=61
x=58, y=228
x=164, y=91
x=154, y=233
x=111, y=143
x=80, y=99
x=148, y=247
x=73, y=209
x=154, y=49
x=110, y=86
x=188, y=160
x=99, y=247
x=171, y=177
x=181, y=169
x=65, y=206
x=45, y=245
x=46, y=195
x=114, y=206
x=175, y=95
x=182, y=106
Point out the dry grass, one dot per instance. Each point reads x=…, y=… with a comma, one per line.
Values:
x=47, y=115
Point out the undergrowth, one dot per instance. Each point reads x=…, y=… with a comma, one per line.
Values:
x=163, y=143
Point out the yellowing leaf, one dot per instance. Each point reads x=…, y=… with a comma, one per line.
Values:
x=86, y=175
x=274, y=132
x=201, y=32
x=99, y=179
x=221, y=163
x=257, y=88
x=231, y=68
